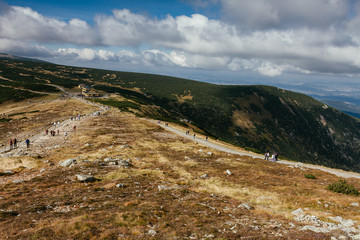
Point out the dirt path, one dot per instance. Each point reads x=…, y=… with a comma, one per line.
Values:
x=40, y=141
x=221, y=147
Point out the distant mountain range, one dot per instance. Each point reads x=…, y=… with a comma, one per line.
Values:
x=258, y=118
x=12, y=57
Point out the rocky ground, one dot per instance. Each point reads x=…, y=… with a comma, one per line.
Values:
x=121, y=177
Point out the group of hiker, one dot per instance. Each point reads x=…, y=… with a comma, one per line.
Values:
x=14, y=143
x=273, y=158
x=52, y=132
x=78, y=117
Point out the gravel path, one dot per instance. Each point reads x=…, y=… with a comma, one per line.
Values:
x=218, y=146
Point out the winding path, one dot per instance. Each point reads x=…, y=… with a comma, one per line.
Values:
x=221, y=147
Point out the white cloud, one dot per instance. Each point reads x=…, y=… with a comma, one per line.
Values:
x=267, y=37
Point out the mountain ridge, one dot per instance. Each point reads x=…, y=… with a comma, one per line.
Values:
x=260, y=118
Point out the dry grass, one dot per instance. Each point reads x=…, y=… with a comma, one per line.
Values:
x=190, y=205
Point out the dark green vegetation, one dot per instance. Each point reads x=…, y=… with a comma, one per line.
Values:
x=343, y=187
x=260, y=118
x=310, y=176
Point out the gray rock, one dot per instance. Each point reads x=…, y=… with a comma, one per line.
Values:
x=123, y=163
x=210, y=153
x=18, y=181
x=6, y=173
x=85, y=178
x=245, y=206
x=297, y=212
x=354, y=204
x=67, y=162
x=152, y=232
x=204, y=176
x=228, y=172
x=120, y=185
x=108, y=159
x=126, y=146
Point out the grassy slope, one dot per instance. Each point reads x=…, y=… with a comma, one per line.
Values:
x=53, y=205
x=259, y=117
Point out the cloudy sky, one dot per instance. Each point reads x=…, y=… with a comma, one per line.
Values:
x=312, y=46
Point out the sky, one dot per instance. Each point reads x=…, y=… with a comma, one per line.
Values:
x=310, y=46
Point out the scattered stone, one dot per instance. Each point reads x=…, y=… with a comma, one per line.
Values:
x=245, y=206
x=297, y=212
x=186, y=158
x=85, y=178
x=18, y=181
x=152, y=232
x=120, y=185
x=126, y=146
x=108, y=159
x=204, y=176
x=42, y=170
x=228, y=172
x=88, y=145
x=6, y=173
x=210, y=153
x=123, y=163
x=354, y=204
x=67, y=162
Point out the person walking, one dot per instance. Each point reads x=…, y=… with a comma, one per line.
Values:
x=27, y=141
x=15, y=143
x=11, y=144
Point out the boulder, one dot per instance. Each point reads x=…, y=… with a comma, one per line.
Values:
x=85, y=178
x=67, y=162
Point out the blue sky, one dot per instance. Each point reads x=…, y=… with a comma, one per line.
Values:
x=309, y=46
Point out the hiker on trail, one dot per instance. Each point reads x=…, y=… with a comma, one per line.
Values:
x=27, y=141
x=206, y=138
x=194, y=135
x=11, y=144
x=46, y=131
x=74, y=128
x=15, y=143
x=65, y=134
x=276, y=156
x=58, y=124
x=273, y=157
x=267, y=155
x=58, y=131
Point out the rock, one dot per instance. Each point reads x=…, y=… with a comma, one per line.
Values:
x=88, y=145
x=18, y=181
x=120, y=185
x=210, y=153
x=186, y=158
x=42, y=170
x=6, y=173
x=126, y=146
x=152, y=232
x=245, y=206
x=85, y=178
x=354, y=204
x=204, y=176
x=67, y=162
x=228, y=172
x=297, y=212
x=163, y=187
x=123, y=163
x=108, y=159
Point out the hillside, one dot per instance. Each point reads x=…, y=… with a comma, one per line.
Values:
x=119, y=176
x=259, y=118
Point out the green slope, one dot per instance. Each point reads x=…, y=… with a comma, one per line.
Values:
x=258, y=117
